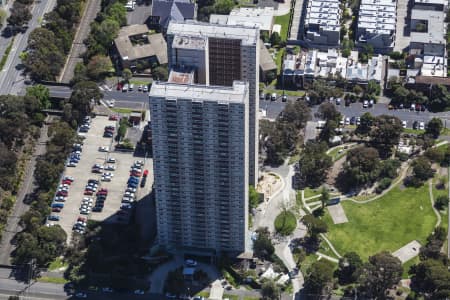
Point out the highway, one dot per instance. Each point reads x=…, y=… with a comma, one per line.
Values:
x=11, y=79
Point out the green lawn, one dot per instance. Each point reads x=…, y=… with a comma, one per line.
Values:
x=231, y=297
x=307, y=262
x=285, y=223
x=413, y=131
x=58, y=280
x=309, y=192
x=335, y=155
x=279, y=59
x=122, y=110
x=287, y=92
x=56, y=264
x=284, y=22
x=203, y=294
x=385, y=224
x=408, y=265
x=250, y=298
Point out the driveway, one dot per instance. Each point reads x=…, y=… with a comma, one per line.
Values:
x=158, y=276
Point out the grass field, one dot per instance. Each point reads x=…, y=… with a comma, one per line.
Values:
x=285, y=223
x=231, y=297
x=335, y=155
x=388, y=223
x=309, y=192
x=57, y=280
x=56, y=264
x=408, y=265
x=284, y=22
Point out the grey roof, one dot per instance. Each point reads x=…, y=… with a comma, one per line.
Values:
x=169, y=10
x=156, y=44
x=265, y=59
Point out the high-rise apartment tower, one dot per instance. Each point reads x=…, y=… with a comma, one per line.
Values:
x=200, y=156
x=221, y=54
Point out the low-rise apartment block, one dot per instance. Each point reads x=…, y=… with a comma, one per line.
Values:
x=322, y=23
x=300, y=71
x=261, y=17
x=376, y=24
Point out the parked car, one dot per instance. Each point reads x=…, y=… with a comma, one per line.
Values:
x=190, y=263
x=53, y=218
x=110, y=167
x=145, y=89
x=415, y=125
x=70, y=178
x=103, y=149
x=111, y=160
x=113, y=117
x=421, y=126
x=139, y=292
x=88, y=192
x=56, y=209
x=404, y=124
x=273, y=97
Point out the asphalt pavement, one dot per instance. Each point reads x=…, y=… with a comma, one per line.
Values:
x=12, y=80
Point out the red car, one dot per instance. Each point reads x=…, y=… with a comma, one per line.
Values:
x=56, y=209
x=66, y=182
x=88, y=192
x=119, y=86
x=101, y=193
x=82, y=219
x=145, y=173
x=62, y=193
x=113, y=117
x=103, y=190
x=135, y=173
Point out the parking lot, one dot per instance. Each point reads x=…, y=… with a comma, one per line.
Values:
x=90, y=156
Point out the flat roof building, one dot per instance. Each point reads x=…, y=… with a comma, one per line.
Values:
x=221, y=54
x=322, y=23
x=135, y=45
x=376, y=24
x=200, y=155
x=262, y=17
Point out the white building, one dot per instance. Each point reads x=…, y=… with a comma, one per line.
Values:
x=376, y=24
x=322, y=23
x=200, y=154
x=261, y=17
x=221, y=54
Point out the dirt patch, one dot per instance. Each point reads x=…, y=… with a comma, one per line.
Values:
x=335, y=170
x=268, y=185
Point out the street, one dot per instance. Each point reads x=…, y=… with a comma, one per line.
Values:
x=11, y=79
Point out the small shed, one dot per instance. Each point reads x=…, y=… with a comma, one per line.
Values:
x=135, y=117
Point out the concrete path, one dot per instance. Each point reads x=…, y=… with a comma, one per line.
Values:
x=321, y=255
x=92, y=7
x=407, y=252
x=330, y=245
x=337, y=213
x=295, y=31
x=27, y=187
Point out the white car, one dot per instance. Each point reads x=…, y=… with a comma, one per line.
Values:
x=190, y=263
x=87, y=201
x=111, y=160
x=60, y=199
x=358, y=120
x=145, y=89
x=140, y=87
x=421, y=126
x=108, y=174
x=131, y=190
x=110, y=167
x=139, y=292
x=347, y=121
x=139, y=162
x=366, y=104
x=72, y=164
x=129, y=194
x=404, y=124
x=81, y=223
x=103, y=149
x=85, y=211
x=81, y=295
x=69, y=178
x=106, y=178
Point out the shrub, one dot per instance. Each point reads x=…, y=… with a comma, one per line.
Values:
x=383, y=184
x=441, y=202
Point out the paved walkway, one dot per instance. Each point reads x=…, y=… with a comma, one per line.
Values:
x=27, y=187
x=92, y=7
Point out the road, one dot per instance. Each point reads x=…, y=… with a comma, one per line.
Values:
x=11, y=78
x=78, y=47
x=27, y=187
x=265, y=218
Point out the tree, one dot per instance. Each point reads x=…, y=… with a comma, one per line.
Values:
x=389, y=168
x=422, y=169
x=106, y=32
x=98, y=67
x=253, y=197
x=349, y=268
x=160, y=73
x=314, y=225
x=319, y=278
x=365, y=124
x=270, y=290
x=440, y=98
x=327, y=111
x=41, y=93
x=275, y=39
x=434, y=127
x=361, y=167
x=434, y=244
x=82, y=94
x=20, y=14
x=431, y=277
x=271, y=76
x=296, y=113
x=313, y=165
x=262, y=246
x=324, y=197
x=381, y=272
x=127, y=75
x=285, y=223
x=386, y=134
x=117, y=12
x=224, y=7
x=373, y=88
